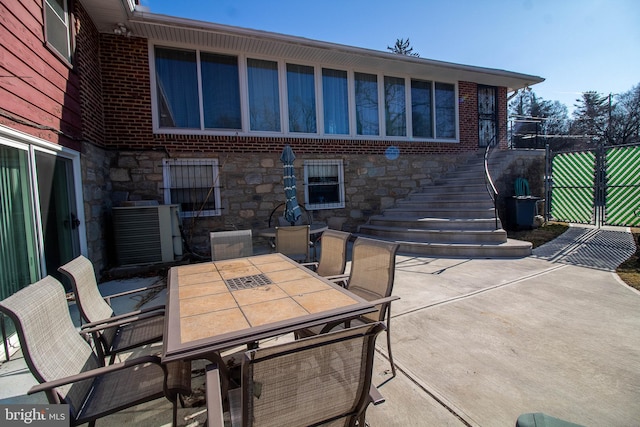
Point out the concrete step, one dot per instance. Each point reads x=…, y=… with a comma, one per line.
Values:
x=477, y=187
x=432, y=223
x=474, y=171
x=435, y=236
x=429, y=196
x=470, y=180
x=455, y=217
x=425, y=211
x=446, y=203
x=509, y=249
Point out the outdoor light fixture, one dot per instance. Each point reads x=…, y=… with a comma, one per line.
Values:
x=121, y=30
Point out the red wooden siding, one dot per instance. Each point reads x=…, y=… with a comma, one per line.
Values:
x=39, y=93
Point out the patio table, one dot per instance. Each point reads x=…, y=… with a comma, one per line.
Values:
x=217, y=305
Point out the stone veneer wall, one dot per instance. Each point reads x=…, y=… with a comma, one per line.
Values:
x=252, y=186
x=96, y=187
x=529, y=164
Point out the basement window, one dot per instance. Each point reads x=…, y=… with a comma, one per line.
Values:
x=194, y=185
x=324, y=184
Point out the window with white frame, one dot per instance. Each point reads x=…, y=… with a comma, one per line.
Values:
x=193, y=184
x=324, y=184
x=335, y=97
x=57, y=27
x=301, y=96
x=367, y=118
x=264, y=95
x=220, y=91
x=421, y=101
x=208, y=91
x=445, y=95
x=395, y=112
x=178, y=93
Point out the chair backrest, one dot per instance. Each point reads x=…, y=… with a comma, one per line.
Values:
x=333, y=255
x=293, y=241
x=90, y=302
x=231, y=244
x=323, y=378
x=51, y=345
x=372, y=271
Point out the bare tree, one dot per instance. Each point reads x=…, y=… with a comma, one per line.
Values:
x=532, y=116
x=613, y=119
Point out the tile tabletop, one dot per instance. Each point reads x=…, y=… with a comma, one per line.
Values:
x=217, y=304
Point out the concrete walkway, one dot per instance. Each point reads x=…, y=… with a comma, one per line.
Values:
x=480, y=341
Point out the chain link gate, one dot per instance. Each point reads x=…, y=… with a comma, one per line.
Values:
x=597, y=187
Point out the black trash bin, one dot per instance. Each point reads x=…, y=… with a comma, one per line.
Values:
x=521, y=210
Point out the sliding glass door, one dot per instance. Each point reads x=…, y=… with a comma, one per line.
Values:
x=60, y=222
x=40, y=222
x=19, y=261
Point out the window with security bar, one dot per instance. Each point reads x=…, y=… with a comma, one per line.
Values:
x=193, y=184
x=324, y=184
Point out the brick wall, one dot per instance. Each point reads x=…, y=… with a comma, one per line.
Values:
x=251, y=172
x=90, y=76
x=127, y=108
x=126, y=91
x=503, y=141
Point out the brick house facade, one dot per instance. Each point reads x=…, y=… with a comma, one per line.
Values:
x=98, y=107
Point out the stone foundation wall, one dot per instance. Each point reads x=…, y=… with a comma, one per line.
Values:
x=251, y=186
x=96, y=186
x=528, y=164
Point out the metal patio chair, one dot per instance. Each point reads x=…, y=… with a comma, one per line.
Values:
x=70, y=372
x=371, y=278
x=293, y=241
x=325, y=379
x=114, y=333
x=333, y=254
x=231, y=244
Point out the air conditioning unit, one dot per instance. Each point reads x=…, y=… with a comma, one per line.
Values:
x=147, y=234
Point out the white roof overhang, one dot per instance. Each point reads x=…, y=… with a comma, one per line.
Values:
x=162, y=28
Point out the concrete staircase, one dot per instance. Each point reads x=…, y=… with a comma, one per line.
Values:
x=454, y=217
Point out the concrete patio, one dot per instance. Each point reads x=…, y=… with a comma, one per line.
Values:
x=480, y=341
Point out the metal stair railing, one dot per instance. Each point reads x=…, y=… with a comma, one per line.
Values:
x=488, y=181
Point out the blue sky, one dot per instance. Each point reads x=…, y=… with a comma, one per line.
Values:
x=576, y=45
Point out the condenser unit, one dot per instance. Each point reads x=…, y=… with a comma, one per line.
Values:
x=147, y=234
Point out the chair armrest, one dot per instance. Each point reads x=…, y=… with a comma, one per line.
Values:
x=313, y=266
x=375, y=395
x=122, y=319
x=215, y=414
x=340, y=279
x=381, y=301
x=48, y=385
x=385, y=300
x=133, y=291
